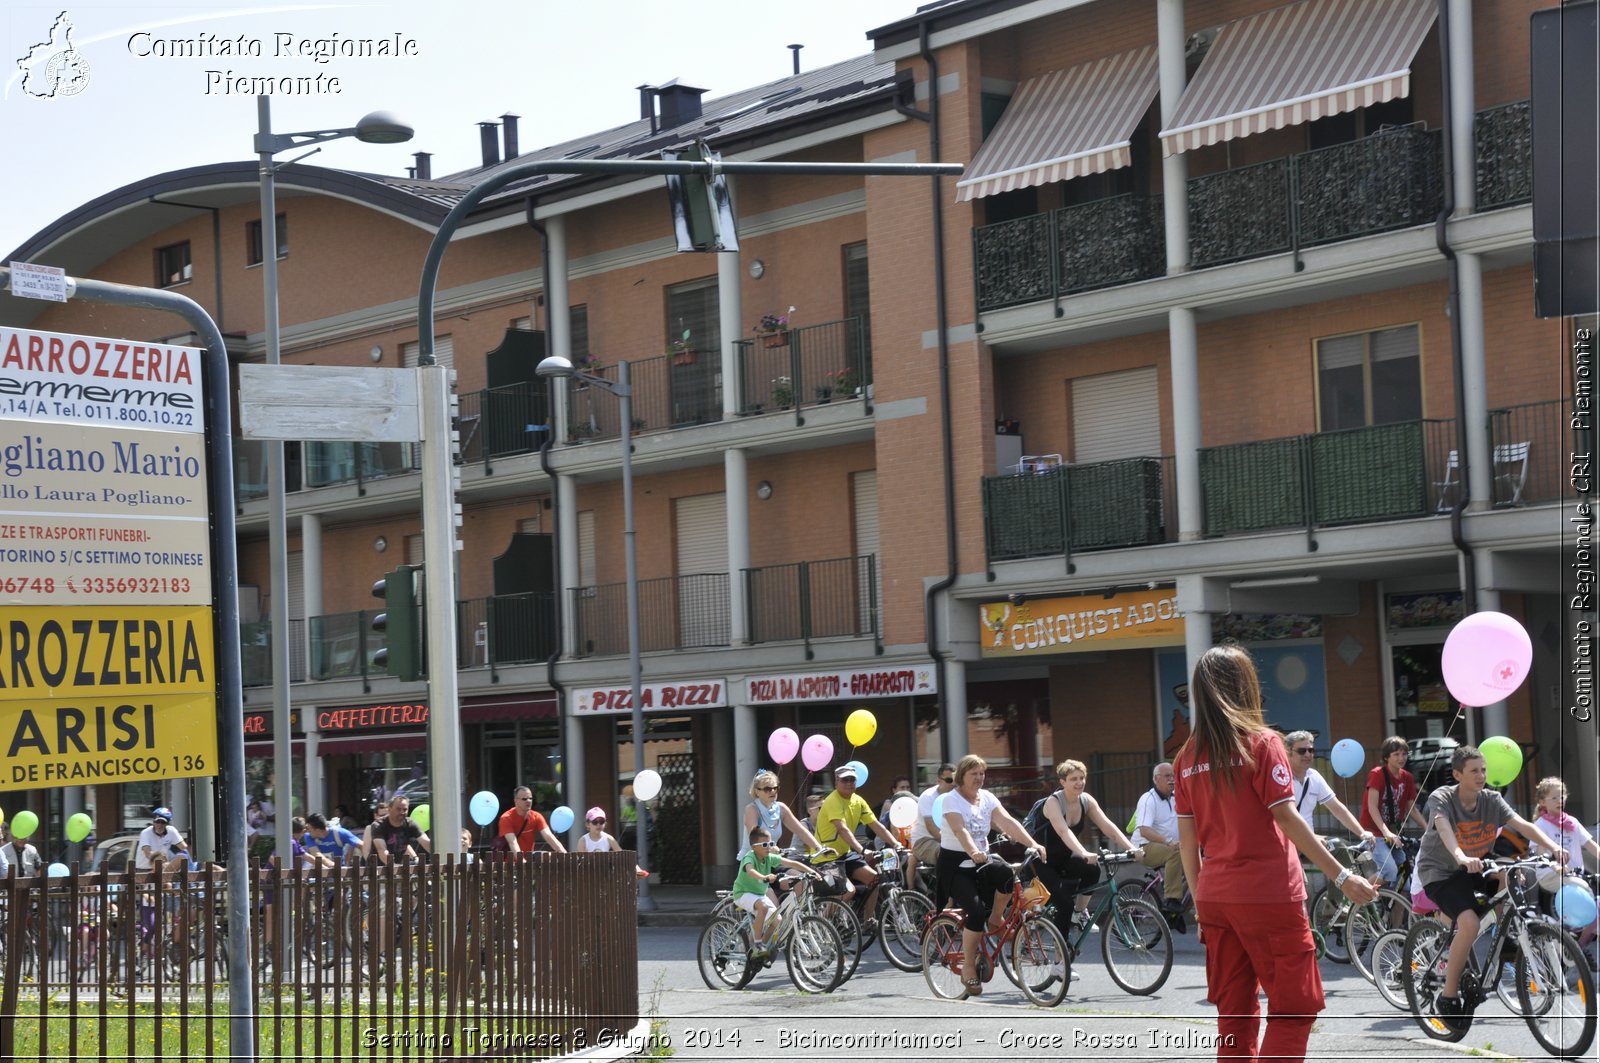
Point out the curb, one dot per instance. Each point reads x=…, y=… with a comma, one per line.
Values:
x=672, y=918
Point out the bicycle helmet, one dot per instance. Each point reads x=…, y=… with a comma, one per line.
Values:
x=164, y=814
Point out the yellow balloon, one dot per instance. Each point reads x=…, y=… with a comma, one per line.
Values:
x=860, y=727
x=2, y=815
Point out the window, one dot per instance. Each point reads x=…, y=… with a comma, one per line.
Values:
x=857, y=296
x=444, y=352
x=173, y=265
x=696, y=369
x=1369, y=378
x=691, y=308
x=579, y=318
x=252, y=236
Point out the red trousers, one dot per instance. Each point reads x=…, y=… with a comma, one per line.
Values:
x=1251, y=947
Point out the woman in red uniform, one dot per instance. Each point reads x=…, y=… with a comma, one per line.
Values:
x=1235, y=801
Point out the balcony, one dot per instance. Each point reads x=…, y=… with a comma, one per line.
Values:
x=1382, y=472
x=317, y=464
x=1099, y=506
x=675, y=613
x=1530, y=447
x=502, y=422
x=1390, y=180
x=1091, y=245
x=808, y=366
x=808, y=600
x=1503, y=142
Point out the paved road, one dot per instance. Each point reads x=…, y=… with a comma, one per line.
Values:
x=770, y=1020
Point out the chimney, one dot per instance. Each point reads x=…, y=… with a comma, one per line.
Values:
x=490, y=141
x=508, y=126
x=647, y=105
x=424, y=167
x=795, y=48
x=680, y=104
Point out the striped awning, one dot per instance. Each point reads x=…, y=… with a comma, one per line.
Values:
x=1299, y=63
x=1065, y=124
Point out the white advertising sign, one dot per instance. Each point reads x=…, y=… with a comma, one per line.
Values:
x=851, y=685
x=655, y=697
x=51, y=376
x=39, y=282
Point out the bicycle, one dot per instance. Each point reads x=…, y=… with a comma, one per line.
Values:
x=904, y=914
x=812, y=949
x=1151, y=888
x=1135, y=940
x=1030, y=948
x=1554, y=983
x=834, y=909
x=1346, y=930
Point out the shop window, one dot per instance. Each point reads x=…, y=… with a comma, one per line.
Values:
x=1369, y=378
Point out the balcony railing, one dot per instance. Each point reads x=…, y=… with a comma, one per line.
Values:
x=806, y=366
x=669, y=391
x=1530, y=449
x=501, y=422
x=675, y=613
x=1382, y=472
x=1098, y=506
x=1090, y=245
x=506, y=629
x=1504, y=146
x=813, y=599
x=317, y=464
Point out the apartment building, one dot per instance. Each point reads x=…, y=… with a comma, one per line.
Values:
x=1183, y=355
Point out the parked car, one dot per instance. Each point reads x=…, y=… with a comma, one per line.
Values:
x=115, y=853
x=1429, y=760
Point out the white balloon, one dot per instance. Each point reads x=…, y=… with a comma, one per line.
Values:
x=903, y=812
x=646, y=785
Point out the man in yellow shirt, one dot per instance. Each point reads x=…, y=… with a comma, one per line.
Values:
x=837, y=819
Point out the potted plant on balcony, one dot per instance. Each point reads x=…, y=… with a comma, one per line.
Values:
x=681, y=350
x=843, y=382
x=586, y=362
x=782, y=392
x=774, y=329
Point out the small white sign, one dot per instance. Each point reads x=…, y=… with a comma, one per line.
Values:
x=330, y=402
x=39, y=282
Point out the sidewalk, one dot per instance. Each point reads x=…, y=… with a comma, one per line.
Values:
x=679, y=905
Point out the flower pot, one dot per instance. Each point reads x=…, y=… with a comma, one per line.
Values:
x=824, y=394
x=683, y=358
x=775, y=339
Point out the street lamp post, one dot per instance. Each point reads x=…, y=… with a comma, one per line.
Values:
x=379, y=127
x=557, y=367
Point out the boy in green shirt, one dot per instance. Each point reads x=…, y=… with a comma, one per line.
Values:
x=752, y=889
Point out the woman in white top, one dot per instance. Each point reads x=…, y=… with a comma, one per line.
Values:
x=965, y=870
x=596, y=840
x=772, y=815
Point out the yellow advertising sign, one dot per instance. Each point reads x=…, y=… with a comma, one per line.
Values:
x=106, y=694
x=1130, y=620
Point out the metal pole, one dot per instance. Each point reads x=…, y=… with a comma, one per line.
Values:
x=624, y=392
x=439, y=558
x=277, y=514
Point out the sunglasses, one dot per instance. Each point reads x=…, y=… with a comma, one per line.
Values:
x=947, y=778
x=598, y=822
x=767, y=789
x=1306, y=752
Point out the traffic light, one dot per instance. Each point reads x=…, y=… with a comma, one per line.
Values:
x=401, y=623
x=702, y=210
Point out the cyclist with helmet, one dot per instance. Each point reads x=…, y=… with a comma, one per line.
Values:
x=159, y=841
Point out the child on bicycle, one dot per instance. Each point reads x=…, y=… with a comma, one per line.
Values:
x=752, y=890
x=1462, y=822
x=1551, y=794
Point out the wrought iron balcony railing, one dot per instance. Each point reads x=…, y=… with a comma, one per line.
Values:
x=1504, y=146
x=1070, y=508
x=675, y=613
x=806, y=366
x=813, y=599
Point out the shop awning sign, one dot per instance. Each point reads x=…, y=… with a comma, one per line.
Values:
x=1081, y=624
x=850, y=685
x=653, y=697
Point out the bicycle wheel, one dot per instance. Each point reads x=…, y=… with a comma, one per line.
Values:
x=847, y=925
x=1386, y=960
x=905, y=914
x=723, y=952
x=724, y=906
x=1422, y=965
x=815, y=955
x=1329, y=913
x=1556, y=988
x=1137, y=947
x=941, y=958
x=1136, y=889
x=1042, y=962
x=1368, y=922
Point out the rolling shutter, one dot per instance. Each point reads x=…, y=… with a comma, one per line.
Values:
x=1116, y=415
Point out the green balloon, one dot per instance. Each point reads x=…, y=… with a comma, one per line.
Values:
x=23, y=824
x=78, y=826
x=1502, y=758
x=424, y=817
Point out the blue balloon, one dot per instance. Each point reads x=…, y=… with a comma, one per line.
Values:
x=485, y=808
x=61, y=871
x=861, y=772
x=1347, y=758
x=561, y=820
x=1575, y=905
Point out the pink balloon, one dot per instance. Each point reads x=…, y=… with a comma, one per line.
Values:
x=1486, y=657
x=817, y=752
x=783, y=745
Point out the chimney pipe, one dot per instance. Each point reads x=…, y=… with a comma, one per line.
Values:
x=795, y=48
x=508, y=125
x=680, y=104
x=490, y=141
x=424, y=167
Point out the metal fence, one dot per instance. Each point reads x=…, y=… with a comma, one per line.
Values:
x=1529, y=450
x=675, y=612
x=808, y=366
x=813, y=599
x=495, y=958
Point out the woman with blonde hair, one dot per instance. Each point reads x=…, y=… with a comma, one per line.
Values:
x=772, y=815
x=1235, y=801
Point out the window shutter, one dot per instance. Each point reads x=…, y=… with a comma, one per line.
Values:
x=586, y=570
x=864, y=488
x=702, y=527
x=444, y=352
x=1116, y=415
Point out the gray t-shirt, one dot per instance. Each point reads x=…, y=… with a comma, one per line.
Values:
x=1475, y=830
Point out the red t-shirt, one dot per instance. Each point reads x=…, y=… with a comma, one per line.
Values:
x=527, y=830
x=1393, y=797
x=1247, y=858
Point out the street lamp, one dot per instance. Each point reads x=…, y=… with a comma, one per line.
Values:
x=556, y=367
x=379, y=127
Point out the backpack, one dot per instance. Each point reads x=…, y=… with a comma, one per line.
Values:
x=1034, y=822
